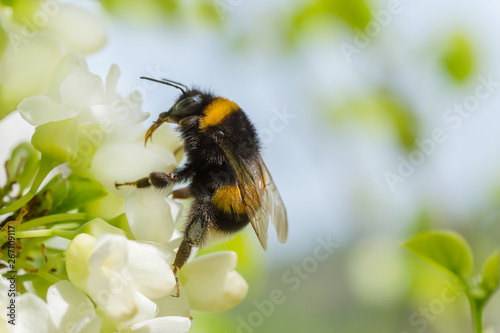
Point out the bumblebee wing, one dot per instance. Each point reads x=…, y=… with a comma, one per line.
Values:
x=273, y=205
x=259, y=195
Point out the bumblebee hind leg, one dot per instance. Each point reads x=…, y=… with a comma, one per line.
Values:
x=200, y=219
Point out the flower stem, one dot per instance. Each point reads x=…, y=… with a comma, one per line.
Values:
x=44, y=275
x=52, y=262
x=46, y=165
x=51, y=219
x=68, y=234
x=35, y=233
x=476, y=307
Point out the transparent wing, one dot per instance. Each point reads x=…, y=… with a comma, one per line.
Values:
x=273, y=205
x=260, y=196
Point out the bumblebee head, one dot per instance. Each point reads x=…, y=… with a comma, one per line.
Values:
x=188, y=104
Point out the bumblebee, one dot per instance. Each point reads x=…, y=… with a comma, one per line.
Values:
x=228, y=180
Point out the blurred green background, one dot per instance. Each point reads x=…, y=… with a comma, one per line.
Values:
x=379, y=120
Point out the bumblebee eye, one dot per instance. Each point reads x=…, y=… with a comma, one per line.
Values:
x=186, y=102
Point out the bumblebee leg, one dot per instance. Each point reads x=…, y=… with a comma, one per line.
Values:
x=161, y=179
x=194, y=235
x=182, y=193
x=157, y=179
x=140, y=183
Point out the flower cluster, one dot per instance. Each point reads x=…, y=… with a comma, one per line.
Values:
x=34, y=37
x=90, y=257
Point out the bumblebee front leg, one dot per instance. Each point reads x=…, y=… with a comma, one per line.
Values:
x=161, y=180
x=201, y=217
x=156, y=179
x=140, y=183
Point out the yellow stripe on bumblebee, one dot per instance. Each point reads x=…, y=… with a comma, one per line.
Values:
x=228, y=197
x=217, y=111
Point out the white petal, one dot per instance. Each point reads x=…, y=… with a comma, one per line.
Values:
x=40, y=109
x=174, y=306
x=87, y=325
x=82, y=89
x=98, y=227
x=162, y=152
x=133, y=133
x=212, y=284
x=146, y=310
x=5, y=327
x=163, y=324
x=78, y=29
x=65, y=67
x=4, y=300
x=149, y=267
x=27, y=66
x=167, y=138
x=112, y=82
x=126, y=162
x=4, y=303
x=13, y=128
x=177, y=211
x=70, y=309
x=33, y=314
x=78, y=254
x=109, y=283
x=149, y=216
x=116, y=113
x=128, y=110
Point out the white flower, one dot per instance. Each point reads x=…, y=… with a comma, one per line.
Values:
x=36, y=46
x=67, y=310
x=149, y=216
x=131, y=281
x=75, y=92
x=122, y=157
x=77, y=28
x=210, y=281
x=4, y=303
x=212, y=284
x=123, y=277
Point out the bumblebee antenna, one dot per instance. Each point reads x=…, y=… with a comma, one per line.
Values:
x=168, y=83
x=177, y=83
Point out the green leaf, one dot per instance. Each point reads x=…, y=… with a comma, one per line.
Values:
x=353, y=12
x=81, y=191
x=458, y=58
x=379, y=111
x=52, y=194
x=404, y=121
x=446, y=249
x=490, y=274
x=145, y=10
x=206, y=11
x=23, y=165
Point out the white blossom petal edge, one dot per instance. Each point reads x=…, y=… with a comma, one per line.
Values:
x=149, y=216
x=67, y=309
x=211, y=282
x=76, y=92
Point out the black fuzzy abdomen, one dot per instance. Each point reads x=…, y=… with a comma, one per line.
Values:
x=229, y=222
